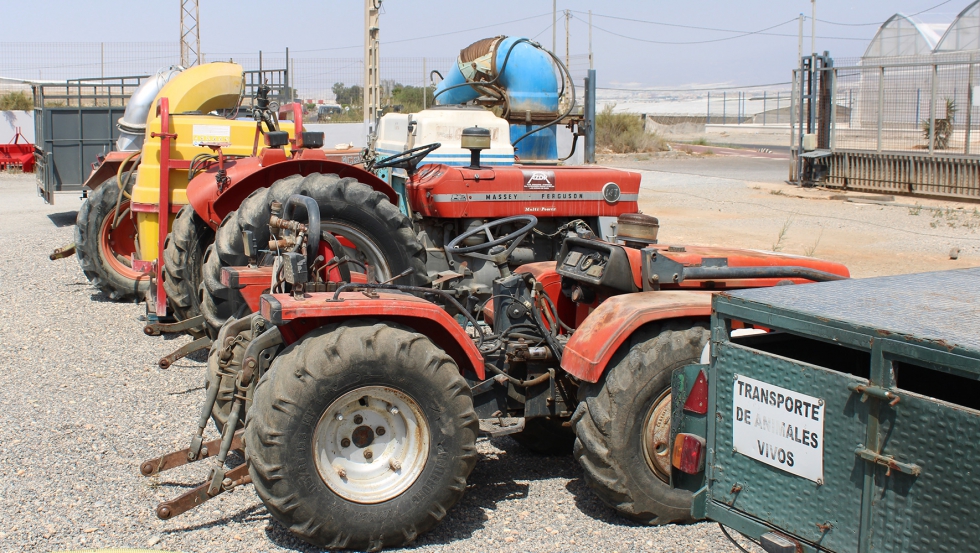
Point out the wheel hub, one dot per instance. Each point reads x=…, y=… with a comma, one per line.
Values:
x=371, y=444
x=656, y=437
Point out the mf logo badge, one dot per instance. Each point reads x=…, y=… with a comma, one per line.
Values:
x=539, y=180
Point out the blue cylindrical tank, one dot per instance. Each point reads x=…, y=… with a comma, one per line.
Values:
x=527, y=76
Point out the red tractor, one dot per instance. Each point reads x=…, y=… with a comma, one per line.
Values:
x=358, y=404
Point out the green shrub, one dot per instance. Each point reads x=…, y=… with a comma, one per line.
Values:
x=623, y=133
x=16, y=101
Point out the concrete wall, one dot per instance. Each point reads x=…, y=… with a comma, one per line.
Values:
x=10, y=120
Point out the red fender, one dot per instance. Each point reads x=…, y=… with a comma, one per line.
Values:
x=249, y=174
x=295, y=318
x=596, y=340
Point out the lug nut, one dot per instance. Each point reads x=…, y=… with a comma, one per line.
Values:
x=345, y=443
x=380, y=431
x=393, y=410
x=367, y=454
x=340, y=417
x=395, y=465
x=358, y=419
x=340, y=471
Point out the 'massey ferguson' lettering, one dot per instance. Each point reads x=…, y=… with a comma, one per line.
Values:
x=768, y=397
x=534, y=197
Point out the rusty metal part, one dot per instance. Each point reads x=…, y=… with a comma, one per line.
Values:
x=201, y=343
x=826, y=527
x=282, y=243
x=197, y=496
x=876, y=392
x=285, y=224
x=183, y=457
x=62, y=252
x=155, y=329
x=656, y=437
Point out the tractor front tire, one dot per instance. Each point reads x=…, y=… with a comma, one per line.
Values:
x=183, y=260
x=348, y=208
x=104, y=253
x=616, y=415
x=361, y=436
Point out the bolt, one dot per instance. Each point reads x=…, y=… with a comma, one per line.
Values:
x=226, y=483
x=395, y=465
x=340, y=417
x=393, y=410
x=380, y=431
x=358, y=419
x=367, y=454
x=345, y=443
x=163, y=513
x=340, y=471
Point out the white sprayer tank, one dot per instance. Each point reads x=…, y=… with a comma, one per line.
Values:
x=398, y=132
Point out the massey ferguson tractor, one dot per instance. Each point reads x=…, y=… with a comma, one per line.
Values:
x=357, y=401
x=474, y=167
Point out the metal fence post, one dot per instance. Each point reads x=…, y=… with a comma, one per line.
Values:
x=969, y=111
x=763, y=108
x=708, y=118
x=932, y=111
x=724, y=106
x=881, y=104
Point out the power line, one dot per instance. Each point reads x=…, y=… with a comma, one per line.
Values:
x=761, y=32
x=879, y=23
x=689, y=42
x=693, y=89
x=432, y=36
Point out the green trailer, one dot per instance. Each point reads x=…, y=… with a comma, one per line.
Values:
x=851, y=422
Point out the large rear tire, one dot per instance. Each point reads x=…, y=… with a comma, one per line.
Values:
x=361, y=436
x=183, y=260
x=103, y=252
x=619, y=413
x=348, y=208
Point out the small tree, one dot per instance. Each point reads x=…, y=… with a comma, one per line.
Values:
x=942, y=129
x=16, y=101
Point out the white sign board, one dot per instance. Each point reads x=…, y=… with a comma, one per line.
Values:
x=211, y=135
x=778, y=427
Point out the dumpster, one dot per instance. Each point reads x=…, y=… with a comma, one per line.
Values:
x=851, y=422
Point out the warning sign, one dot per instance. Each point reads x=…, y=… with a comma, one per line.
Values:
x=211, y=135
x=539, y=180
x=778, y=427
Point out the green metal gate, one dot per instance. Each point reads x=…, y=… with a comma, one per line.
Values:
x=891, y=368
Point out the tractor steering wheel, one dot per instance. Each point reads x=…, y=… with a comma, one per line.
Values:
x=515, y=238
x=409, y=159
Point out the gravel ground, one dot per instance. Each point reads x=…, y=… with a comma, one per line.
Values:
x=84, y=405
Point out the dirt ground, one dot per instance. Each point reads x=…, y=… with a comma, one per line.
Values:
x=743, y=200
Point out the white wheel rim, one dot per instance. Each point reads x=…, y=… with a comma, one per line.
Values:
x=371, y=444
x=367, y=251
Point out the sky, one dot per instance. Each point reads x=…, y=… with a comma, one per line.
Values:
x=636, y=44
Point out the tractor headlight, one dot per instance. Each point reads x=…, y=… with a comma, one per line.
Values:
x=611, y=192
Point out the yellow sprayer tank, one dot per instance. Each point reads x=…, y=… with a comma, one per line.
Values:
x=192, y=94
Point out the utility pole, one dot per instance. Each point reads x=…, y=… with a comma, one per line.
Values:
x=799, y=54
x=813, y=28
x=568, y=23
x=372, y=66
x=554, y=23
x=190, y=33
x=591, y=65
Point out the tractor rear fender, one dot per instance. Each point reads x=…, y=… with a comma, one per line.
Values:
x=295, y=318
x=596, y=340
x=248, y=175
